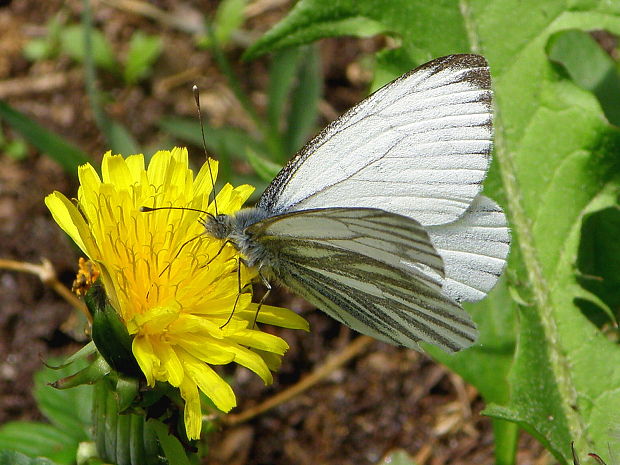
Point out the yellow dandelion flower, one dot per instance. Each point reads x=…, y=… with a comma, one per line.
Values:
x=174, y=287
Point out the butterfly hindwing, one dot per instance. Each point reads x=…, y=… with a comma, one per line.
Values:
x=372, y=270
x=474, y=250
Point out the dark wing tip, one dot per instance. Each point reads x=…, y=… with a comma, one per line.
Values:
x=477, y=65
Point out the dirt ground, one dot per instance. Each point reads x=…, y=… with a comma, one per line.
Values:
x=384, y=399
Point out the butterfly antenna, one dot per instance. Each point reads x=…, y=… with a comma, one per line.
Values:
x=144, y=209
x=204, y=143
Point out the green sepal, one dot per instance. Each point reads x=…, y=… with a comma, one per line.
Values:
x=88, y=375
x=126, y=392
x=110, y=334
x=82, y=354
x=123, y=438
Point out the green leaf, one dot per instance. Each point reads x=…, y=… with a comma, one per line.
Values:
x=16, y=149
x=599, y=264
x=46, y=47
x=8, y=457
x=224, y=144
x=68, y=410
x=66, y=154
x=173, y=449
x=555, y=162
x=72, y=43
x=313, y=24
x=418, y=23
x=38, y=439
x=266, y=169
x=120, y=139
x=228, y=18
x=589, y=66
x=304, y=102
x=486, y=365
x=37, y=49
x=282, y=74
x=142, y=54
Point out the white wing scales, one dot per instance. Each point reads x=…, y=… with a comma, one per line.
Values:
x=419, y=147
x=474, y=250
x=349, y=263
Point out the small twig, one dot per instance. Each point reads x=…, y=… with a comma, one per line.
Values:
x=165, y=85
x=46, y=273
x=259, y=7
x=37, y=84
x=461, y=393
x=425, y=452
x=147, y=10
x=331, y=364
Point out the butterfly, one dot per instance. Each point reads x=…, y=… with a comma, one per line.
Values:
x=379, y=220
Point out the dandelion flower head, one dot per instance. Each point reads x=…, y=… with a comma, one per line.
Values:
x=174, y=287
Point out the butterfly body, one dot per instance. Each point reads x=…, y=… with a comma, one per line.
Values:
x=379, y=220
x=233, y=229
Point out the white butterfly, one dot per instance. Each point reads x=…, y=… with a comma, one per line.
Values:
x=379, y=220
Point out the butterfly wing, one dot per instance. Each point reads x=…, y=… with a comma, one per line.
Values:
x=418, y=147
x=374, y=271
x=474, y=250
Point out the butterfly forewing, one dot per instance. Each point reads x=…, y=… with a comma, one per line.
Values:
x=372, y=270
x=419, y=147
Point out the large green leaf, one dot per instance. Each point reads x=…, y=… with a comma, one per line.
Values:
x=69, y=412
x=556, y=160
x=590, y=67
x=486, y=365
x=599, y=264
x=38, y=439
x=9, y=457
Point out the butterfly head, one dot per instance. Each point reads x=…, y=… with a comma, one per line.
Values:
x=219, y=226
x=234, y=230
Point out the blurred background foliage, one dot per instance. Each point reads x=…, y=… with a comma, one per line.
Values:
x=293, y=91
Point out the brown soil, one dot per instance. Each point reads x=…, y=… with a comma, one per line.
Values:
x=385, y=399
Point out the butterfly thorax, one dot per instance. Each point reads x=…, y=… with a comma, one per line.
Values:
x=234, y=229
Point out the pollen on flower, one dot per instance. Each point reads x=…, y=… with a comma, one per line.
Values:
x=86, y=276
x=175, y=288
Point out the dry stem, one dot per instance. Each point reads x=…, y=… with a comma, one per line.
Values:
x=46, y=273
x=332, y=363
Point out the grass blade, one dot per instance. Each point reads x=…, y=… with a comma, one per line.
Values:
x=66, y=154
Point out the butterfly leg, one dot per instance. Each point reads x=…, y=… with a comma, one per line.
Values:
x=240, y=290
x=263, y=298
x=218, y=253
